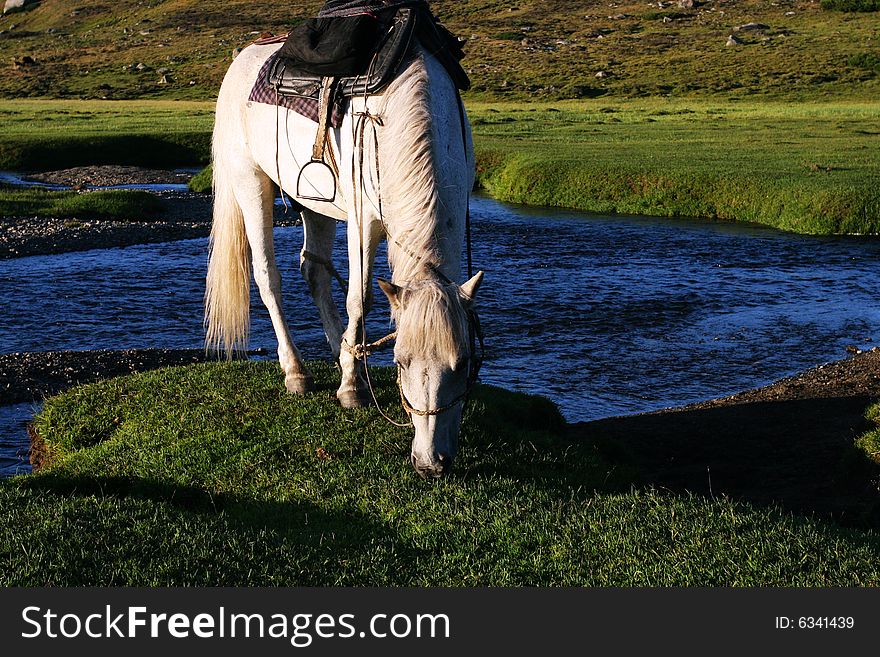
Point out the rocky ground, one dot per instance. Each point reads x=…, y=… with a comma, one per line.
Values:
x=108, y=176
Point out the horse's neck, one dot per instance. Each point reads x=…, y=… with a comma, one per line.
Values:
x=424, y=231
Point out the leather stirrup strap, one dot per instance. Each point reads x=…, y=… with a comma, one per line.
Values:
x=324, y=108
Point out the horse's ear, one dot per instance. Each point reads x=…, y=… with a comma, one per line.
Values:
x=391, y=291
x=469, y=288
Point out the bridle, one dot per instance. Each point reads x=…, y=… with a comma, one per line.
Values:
x=362, y=351
x=475, y=362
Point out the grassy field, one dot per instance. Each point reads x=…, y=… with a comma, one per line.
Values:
x=533, y=49
x=213, y=475
x=805, y=167
x=52, y=134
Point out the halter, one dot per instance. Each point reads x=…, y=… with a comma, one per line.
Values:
x=475, y=362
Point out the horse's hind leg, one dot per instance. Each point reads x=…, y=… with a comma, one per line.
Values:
x=320, y=233
x=255, y=195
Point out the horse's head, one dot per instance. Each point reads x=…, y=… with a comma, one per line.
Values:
x=436, y=363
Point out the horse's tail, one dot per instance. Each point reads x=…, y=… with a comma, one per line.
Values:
x=227, y=293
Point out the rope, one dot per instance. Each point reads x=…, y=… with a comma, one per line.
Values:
x=361, y=350
x=328, y=265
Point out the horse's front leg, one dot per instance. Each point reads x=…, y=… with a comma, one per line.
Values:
x=363, y=239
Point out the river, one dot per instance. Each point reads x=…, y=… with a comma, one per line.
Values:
x=605, y=315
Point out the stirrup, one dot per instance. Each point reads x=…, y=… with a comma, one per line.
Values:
x=320, y=175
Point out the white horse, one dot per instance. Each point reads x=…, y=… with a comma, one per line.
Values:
x=407, y=151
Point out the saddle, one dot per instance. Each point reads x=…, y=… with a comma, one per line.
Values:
x=362, y=54
x=326, y=61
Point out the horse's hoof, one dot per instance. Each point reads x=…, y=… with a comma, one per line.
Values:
x=353, y=399
x=299, y=384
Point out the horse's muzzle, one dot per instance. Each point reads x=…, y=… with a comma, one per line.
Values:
x=441, y=466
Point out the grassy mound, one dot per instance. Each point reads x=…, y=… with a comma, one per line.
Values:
x=869, y=443
x=212, y=475
x=202, y=182
x=105, y=204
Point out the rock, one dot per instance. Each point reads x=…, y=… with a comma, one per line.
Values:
x=17, y=5
x=163, y=71
x=733, y=41
x=751, y=27
x=141, y=66
x=601, y=74
x=166, y=79
x=686, y=4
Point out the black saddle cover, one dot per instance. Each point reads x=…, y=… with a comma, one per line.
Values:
x=365, y=52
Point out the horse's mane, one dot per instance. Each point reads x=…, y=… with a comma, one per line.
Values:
x=434, y=323
x=409, y=178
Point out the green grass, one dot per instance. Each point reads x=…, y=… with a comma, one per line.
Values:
x=865, y=60
x=212, y=475
x=50, y=135
x=202, y=181
x=869, y=443
x=807, y=167
x=105, y=204
x=801, y=167
x=851, y=5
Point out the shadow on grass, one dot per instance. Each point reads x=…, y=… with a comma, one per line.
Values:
x=797, y=454
x=172, y=529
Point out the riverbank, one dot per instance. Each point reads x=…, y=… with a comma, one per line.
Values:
x=215, y=464
x=807, y=167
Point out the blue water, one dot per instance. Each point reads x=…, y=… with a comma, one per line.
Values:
x=606, y=316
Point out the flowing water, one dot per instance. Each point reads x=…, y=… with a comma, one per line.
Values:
x=606, y=316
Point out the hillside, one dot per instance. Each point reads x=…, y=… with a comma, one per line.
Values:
x=516, y=50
